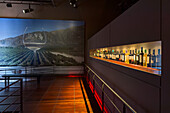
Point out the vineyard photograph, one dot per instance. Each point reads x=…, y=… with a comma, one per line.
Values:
x=37, y=42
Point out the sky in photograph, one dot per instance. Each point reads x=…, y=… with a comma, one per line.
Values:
x=10, y=27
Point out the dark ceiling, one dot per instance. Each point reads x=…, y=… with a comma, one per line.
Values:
x=95, y=13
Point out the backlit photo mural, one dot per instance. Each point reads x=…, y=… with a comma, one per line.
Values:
x=28, y=42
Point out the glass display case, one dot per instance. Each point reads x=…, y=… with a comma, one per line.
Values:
x=140, y=56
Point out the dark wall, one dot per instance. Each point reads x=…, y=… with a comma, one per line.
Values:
x=140, y=23
x=138, y=89
x=166, y=53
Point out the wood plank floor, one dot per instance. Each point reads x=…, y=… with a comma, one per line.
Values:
x=55, y=95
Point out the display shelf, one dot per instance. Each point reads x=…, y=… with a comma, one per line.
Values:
x=132, y=66
x=145, y=56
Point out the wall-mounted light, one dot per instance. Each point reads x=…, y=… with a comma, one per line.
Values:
x=28, y=10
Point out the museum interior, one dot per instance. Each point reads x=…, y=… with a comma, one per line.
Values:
x=84, y=56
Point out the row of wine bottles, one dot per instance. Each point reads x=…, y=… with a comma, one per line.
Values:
x=139, y=57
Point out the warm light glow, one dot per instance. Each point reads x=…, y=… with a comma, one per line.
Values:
x=74, y=76
x=87, y=99
x=141, y=56
x=65, y=96
x=137, y=67
x=98, y=99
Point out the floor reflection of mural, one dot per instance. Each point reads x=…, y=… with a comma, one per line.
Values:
x=41, y=42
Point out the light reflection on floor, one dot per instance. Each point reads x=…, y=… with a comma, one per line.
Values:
x=64, y=95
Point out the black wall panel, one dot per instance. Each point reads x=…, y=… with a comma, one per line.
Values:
x=103, y=37
x=165, y=95
x=140, y=23
x=143, y=96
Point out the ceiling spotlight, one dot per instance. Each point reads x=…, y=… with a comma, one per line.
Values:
x=9, y=5
x=73, y=3
x=28, y=10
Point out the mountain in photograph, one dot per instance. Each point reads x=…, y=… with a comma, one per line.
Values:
x=64, y=47
x=60, y=40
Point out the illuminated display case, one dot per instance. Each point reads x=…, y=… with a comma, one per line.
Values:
x=141, y=56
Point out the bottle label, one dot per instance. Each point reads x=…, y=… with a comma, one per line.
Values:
x=144, y=59
x=140, y=58
x=152, y=61
x=148, y=59
x=122, y=58
x=126, y=57
x=114, y=56
x=157, y=59
x=117, y=56
x=107, y=55
x=137, y=58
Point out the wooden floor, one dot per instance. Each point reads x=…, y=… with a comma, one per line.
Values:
x=56, y=95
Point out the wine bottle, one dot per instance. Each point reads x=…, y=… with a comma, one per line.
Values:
x=110, y=54
x=117, y=55
x=97, y=53
x=149, y=58
x=153, y=59
x=130, y=58
x=106, y=54
x=158, y=59
x=135, y=55
x=101, y=53
x=127, y=57
x=138, y=58
x=145, y=59
x=122, y=56
x=141, y=57
x=114, y=55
